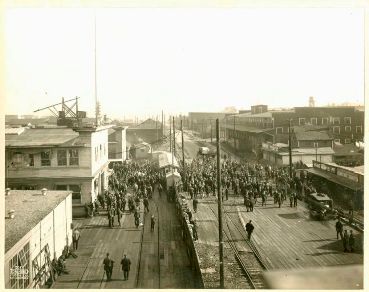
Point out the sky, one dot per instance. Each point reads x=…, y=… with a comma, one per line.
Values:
x=181, y=60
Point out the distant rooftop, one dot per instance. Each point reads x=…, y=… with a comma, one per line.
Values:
x=30, y=208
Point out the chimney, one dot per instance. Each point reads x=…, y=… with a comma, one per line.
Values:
x=44, y=191
x=7, y=191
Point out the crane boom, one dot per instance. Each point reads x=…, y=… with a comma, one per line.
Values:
x=55, y=104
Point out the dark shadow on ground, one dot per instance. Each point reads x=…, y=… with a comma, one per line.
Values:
x=296, y=215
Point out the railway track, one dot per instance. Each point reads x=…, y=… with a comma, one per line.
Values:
x=157, y=224
x=250, y=262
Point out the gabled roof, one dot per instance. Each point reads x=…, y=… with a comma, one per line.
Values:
x=148, y=124
x=42, y=137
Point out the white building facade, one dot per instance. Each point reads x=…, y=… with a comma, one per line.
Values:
x=59, y=159
x=34, y=239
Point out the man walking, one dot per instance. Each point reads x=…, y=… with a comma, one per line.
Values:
x=146, y=204
x=126, y=266
x=251, y=205
x=152, y=223
x=195, y=202
x=339, y=228
x=345, y=241
x=351, y=241
x=76, y=235
x=294, y=199
x=119, y=214
x=249, y=229
x=160, y=189
x=108, y=267
x=137, y=218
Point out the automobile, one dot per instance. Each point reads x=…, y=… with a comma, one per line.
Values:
x=206, y=151
x=320, y=206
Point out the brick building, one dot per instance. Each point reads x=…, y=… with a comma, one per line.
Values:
x=246, y=132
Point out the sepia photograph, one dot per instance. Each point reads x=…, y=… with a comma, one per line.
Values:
x=183, y=145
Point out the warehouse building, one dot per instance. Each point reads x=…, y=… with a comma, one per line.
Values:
x=38, y=225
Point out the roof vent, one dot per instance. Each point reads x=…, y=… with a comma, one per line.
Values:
x=44, y=191
x=7, y=191
x=11, y=214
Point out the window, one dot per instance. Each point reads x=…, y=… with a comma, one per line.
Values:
x=20, y=263
x=316, y=144
x=17, y=158
x=324, y=121
x=347, y=128
x=62, y=157
x=337, y=140
x=279, y=130
x=347, y=120
x=358, y=129
x=336, y=129
x=314, y=121
x=301, y=121
x=31, y=160
x=76, y=193
x=336, y=120
x=73, y=157
x=45, y=158
x=347, y=141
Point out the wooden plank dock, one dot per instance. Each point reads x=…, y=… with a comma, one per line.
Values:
x=286, y=238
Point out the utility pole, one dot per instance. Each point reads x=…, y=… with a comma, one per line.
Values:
x=156, y=127
x=220, y=210
x=170, y=135
x=225, y=128
x=162, y=123
x=290, y=146
x=316, y=152
x=234, y=131
x=211, y=132
x=183, y=159
x=96, y=102
x=174, y=137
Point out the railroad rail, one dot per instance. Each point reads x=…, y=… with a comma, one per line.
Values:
x=250, y=263
x=142, y=240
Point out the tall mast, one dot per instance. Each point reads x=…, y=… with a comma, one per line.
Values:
x=96, y=105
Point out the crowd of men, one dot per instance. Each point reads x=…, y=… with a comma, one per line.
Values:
x=251, y=181
x=140, y=180
x=133, y=183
